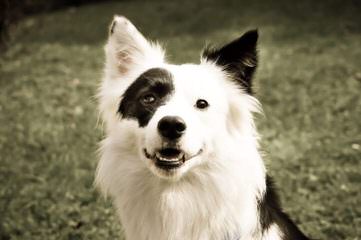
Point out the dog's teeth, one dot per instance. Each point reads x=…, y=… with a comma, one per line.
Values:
x=160, y=157
x=168, y=159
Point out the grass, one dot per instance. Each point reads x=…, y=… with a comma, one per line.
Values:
x=309, y=82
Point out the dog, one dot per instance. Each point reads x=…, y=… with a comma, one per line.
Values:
x=181, y=157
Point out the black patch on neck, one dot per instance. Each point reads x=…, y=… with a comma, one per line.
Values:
x=239, y=58
x=270, y=212
x=155, y=81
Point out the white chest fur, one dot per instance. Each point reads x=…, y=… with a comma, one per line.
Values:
x=205, y=206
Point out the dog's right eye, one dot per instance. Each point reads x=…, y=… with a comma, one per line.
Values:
x=148, y=99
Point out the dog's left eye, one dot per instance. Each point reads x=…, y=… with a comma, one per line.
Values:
x=148, y=99
x=201, y=104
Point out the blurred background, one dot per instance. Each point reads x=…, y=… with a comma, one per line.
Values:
x=309, y=83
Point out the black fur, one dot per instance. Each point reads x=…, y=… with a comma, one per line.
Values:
x=271, y=213
x=155, y=81
x=238, y=58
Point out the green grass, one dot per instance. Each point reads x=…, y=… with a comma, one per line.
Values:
x=309, y=82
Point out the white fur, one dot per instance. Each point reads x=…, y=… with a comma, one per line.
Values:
x=273, y=233
x=212, y=196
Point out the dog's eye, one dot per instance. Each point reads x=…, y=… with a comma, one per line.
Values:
x=201, y=104
x=148, y=99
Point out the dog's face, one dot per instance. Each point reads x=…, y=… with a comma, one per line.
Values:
x=175, y=121
x=177, y=114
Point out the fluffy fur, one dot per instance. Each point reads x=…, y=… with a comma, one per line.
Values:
x=220, y=192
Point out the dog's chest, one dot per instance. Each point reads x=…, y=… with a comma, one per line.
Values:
x=182, y=211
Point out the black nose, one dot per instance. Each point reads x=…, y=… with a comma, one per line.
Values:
x=171, y=127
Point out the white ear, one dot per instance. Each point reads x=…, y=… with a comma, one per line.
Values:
x=128, y=50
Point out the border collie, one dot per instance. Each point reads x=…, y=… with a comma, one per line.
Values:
x=181, y=158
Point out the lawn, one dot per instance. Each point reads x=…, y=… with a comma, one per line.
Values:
x=309, y=82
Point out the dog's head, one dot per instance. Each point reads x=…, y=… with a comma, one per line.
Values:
x=173, y=118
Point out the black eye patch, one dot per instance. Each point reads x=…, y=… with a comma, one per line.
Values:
x=156, y=84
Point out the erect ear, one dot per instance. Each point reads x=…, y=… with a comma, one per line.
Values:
x=239, y=58
x=127, y=49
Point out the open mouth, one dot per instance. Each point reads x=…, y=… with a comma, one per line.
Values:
x=169, y=158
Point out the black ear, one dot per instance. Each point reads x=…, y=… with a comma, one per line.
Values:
x=238, y=58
